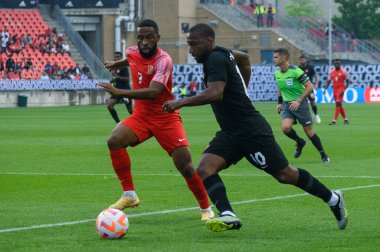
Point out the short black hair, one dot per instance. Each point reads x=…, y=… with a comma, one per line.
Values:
x=149, y=23
x=204, y=30
x=282, y=51
x=118, y=53
x=336, y=60
x=302, y=56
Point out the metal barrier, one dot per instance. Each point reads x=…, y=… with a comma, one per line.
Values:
x=92, y=60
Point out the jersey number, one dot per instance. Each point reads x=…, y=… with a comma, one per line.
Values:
x=140, y=77
x=259, y=159
x=241, y=77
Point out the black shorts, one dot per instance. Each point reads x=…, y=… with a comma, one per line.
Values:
x=120, y=99
x=262, y=151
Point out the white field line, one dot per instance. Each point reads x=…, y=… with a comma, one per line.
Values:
x=8, y=230
x=167, y=175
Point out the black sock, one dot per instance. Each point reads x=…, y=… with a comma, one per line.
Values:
x=292, y=134
x=217, y=193
x=315, y=110
x=114, y=115
x=310, y=184
x=318, y=144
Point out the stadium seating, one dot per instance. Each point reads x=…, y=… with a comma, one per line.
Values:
x=19, y=22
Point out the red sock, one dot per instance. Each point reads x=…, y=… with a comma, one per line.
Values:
x=195, y=184
x=337, y=112
x=122, y=166
x=343, y=113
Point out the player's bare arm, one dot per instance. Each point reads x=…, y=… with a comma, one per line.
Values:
x=316, y=81
x=295, y=104
x=244, y=65
x=213, y=93
x=116, y=64
x=278, y=108
x=327, y=86
x=149, y=93
x=347, y=84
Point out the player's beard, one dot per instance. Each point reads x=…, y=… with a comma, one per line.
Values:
x=337, y=67
x=149, y=54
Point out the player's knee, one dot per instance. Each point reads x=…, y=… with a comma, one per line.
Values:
x=114, y=143
x=286, y=129
x=203, y=172
x=110, y=106
x=186, y=169
x=286, y=176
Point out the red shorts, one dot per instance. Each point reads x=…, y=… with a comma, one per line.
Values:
x=338, y=95
x=168, y=130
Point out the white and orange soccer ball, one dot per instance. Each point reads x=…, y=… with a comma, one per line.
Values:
x=112, y=224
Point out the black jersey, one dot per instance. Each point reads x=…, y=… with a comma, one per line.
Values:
x=122, y=84
x=309, y=71
x=235, y=113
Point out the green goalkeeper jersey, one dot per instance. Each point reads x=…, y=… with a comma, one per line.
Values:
x=291, y=83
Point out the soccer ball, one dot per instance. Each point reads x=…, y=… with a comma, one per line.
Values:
x=112, y=224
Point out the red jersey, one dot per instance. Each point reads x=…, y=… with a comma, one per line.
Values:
x=338, y=78
x=159, y=68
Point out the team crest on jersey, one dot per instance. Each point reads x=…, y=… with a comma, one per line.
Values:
x=150, y=69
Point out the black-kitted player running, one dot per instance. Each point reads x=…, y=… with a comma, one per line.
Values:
x=244, y=131
x=313, y=77
x=120, y=79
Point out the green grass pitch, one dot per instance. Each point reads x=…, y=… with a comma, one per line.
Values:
x=56, y=177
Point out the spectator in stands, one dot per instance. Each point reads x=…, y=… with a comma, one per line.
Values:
x=14, y=38
x=60, y=39
x=85, y=69
x=77, y=70
x=47, y=32
x=35, y=44
x=59, y=48
x=54, y=31
x=29, y=64
x=66, y=48
x=22, y=63
x=270, y=12
x=45, y=76
x=55, y=67
x=70, y=70
x=28, y=40
x=4, y=42
x=53, y=49
x=48, y=68
x=63, y=71
x=6, y=32
x=47, y=49
x=10, y=64
x=259, y=11
x=22, y=41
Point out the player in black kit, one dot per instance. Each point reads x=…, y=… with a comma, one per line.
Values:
x=310, y=72
x=120, y=79
x=244, y=131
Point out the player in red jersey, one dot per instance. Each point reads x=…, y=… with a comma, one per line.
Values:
x=151, y=69
x=339, y=77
